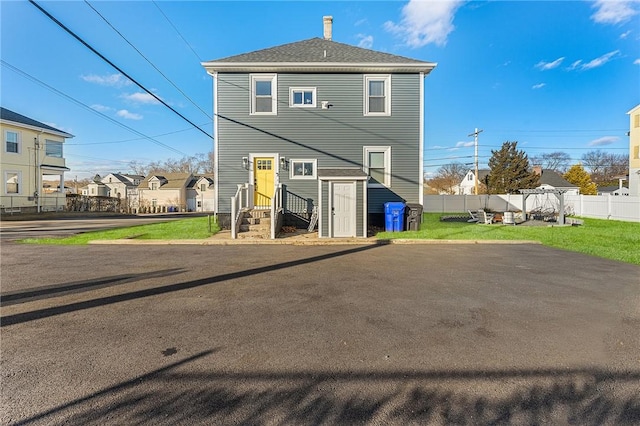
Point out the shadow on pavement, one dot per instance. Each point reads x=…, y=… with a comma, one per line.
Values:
x=108, y=300
x=168, y=395
x=43, y=292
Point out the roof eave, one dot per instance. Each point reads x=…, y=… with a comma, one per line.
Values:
x=38, y=129
x=213, y=67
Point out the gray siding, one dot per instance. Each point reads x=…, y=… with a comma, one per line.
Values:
x=334, y=137
x=325, y=209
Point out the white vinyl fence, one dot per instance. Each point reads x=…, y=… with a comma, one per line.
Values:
x=595, y=206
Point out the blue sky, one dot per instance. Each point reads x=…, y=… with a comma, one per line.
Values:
x=554, y=76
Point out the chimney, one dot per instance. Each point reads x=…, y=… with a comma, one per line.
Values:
x=537, y=169
x=328, y=22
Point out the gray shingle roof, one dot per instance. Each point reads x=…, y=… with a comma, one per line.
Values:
x=320, y=52
x=552, y=178
x=6, y=114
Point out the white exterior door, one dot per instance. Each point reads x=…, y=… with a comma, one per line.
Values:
x=343, y=206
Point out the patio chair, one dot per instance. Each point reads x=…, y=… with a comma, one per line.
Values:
x=484, y=217
x=474, y=216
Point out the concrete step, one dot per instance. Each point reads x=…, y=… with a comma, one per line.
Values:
x=254, y=235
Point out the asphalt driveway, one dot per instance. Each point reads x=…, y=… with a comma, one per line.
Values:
x=466, y=334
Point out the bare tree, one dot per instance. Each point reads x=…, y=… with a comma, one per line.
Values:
x=605, y=166
x=198, y=163
x=558, y=161
x=448, y=177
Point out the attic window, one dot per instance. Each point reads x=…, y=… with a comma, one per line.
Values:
x=154, y=185
x=203, y=187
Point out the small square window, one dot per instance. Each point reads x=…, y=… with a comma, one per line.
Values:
x=302, y=97
x=303, y=169
x=53, y=149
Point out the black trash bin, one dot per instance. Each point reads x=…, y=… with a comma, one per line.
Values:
x=413, y=213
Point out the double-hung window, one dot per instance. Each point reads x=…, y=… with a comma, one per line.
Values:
x=12, y=142
x=303, y=169
x=377, y=164
x=377, y=95
x=203, y=187
x=303, y=97
x=12, y=182
x=264, y=94
x=53, y=149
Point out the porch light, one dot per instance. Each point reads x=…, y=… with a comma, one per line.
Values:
x=245, y=163
x=283, y=163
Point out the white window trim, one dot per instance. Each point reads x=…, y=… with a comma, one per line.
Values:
x=387, y=87
x=314, y=176
x=6, y=177
x=292, y=90
x=18, y=138
x=49, y=143
x=386, y=150
x=273, y=78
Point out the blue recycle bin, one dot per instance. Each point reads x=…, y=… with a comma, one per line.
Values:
x=394, y=216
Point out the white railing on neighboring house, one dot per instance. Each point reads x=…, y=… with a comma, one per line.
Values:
x=239, y=203
x=277, y=211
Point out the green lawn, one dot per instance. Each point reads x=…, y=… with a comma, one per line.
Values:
x=185, y=229
x=603, y=238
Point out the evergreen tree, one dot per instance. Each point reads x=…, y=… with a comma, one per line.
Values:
x=510, y=171
x=577, y=175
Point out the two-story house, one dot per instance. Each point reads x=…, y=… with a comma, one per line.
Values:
x=318, y=125
x=32, y=152
x=549, y=179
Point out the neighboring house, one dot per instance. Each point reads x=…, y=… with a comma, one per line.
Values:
x=96, y=188
x=549, y=179
x=337, y=128
x=613, y=190
x=121, y=185
x=166, y=191
x=31, y=151
x=200, y=194
x=634, y=151
x=468, y=183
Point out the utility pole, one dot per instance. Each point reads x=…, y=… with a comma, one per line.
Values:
x=475, y=135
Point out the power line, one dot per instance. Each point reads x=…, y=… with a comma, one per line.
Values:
x=88, y=46
x=64, y=95
x=176, y=30
x=146, y=59
x=128, y=140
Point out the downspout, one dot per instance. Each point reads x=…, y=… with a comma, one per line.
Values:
x=38, y=174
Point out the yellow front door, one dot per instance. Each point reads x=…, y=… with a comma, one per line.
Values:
x=263, y=173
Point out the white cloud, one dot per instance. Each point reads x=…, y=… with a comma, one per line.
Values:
x=129, y=115
x=538, y=86
x=613, y=11
x=425, y=22
x=549, y=65
x=360, y=22
x=636, y=62
x=463, y=144
x=366, y=41
x=114, y=80
x=625, y=34
x=574, y=65
x=600, y=61
x=101, y=108
x=606, y=140
x=139, y=98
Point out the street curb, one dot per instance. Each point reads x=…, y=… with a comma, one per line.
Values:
x=330, y=242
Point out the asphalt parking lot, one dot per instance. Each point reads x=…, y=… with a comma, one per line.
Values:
x=389, y=334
